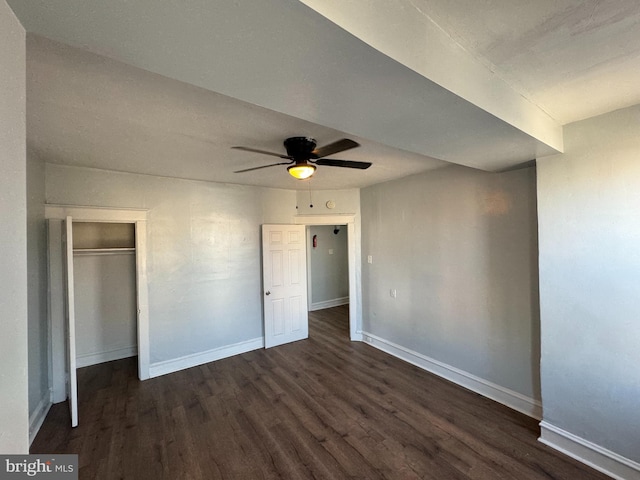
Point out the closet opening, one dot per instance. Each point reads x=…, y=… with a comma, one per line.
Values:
x=101, y=277
x=104, y=265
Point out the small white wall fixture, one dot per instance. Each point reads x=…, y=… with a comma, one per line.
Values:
x=355, y=312
x=108, y=215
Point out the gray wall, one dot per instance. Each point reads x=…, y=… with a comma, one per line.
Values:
x=203, y=251
x=14, y=414
x=459, y=246
x=589, y=216
x=105, y=301
x=329, y=268
x=39, y=393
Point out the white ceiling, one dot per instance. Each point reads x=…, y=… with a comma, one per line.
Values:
x=87, y=110
x=574, y=59
x=167, y=88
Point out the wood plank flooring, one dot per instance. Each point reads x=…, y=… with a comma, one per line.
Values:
x=322, y=408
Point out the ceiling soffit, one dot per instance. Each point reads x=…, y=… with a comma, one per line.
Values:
x=286, y=57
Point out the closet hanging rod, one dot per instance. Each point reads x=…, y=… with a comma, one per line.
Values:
x=103, y=251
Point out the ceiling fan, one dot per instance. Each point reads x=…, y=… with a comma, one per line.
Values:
x=303, y=156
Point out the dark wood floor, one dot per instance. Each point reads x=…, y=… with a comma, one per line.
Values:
x=319, y=408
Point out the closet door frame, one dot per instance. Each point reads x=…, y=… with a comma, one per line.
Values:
x=56, y=318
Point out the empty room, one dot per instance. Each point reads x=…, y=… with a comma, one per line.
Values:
x=305, y=239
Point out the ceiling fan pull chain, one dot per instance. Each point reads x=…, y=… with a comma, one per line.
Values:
x=310, y=201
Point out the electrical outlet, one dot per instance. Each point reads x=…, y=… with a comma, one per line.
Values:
x=369, y=258
x=393, y=293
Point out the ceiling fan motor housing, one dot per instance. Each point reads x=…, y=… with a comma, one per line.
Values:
x=300, y=148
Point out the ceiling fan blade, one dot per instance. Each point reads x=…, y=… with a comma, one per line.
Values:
x=335, y=147
x=263, y=166
x=330, y=162
x=255, y=150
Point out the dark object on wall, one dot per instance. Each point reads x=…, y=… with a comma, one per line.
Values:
x=336, y=230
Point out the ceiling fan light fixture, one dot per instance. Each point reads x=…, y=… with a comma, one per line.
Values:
x=303, y=156
x=301, y=171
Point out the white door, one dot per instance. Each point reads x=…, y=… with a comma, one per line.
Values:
x=284, y=263
x=72, y=382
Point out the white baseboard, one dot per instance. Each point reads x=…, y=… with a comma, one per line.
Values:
x=101, y=357
x=336, y=302
x=505, y=396
x=188, y=361
x=36, y=419
x=589, y=453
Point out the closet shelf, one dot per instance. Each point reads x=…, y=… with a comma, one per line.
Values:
x=103, y=251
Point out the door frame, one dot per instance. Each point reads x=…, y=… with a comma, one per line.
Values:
x=355, y=302
x=70, y=324
x=56, y=318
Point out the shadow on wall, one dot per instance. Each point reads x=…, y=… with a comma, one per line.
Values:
x=512, y=251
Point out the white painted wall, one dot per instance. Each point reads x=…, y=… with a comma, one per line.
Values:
x=39, y=392
x=459, y=246
x=589, y=217
x=346, y=201
x=14, y=414
x=203, y=260
x=328, y=262
x=105, y=301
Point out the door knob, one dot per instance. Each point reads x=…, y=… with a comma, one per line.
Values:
x=267, y=293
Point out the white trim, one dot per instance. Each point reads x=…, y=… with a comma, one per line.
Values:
x=355, y=284
x=336, y=302
x=505, y=396
x=333, y=219
x=36, y=419
x=142, y=299
x=95, y=214
x=589, y=453
x=108, y=356
x=70, y=324
x=353, y=259
x=188, y=361
x=309, y=240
